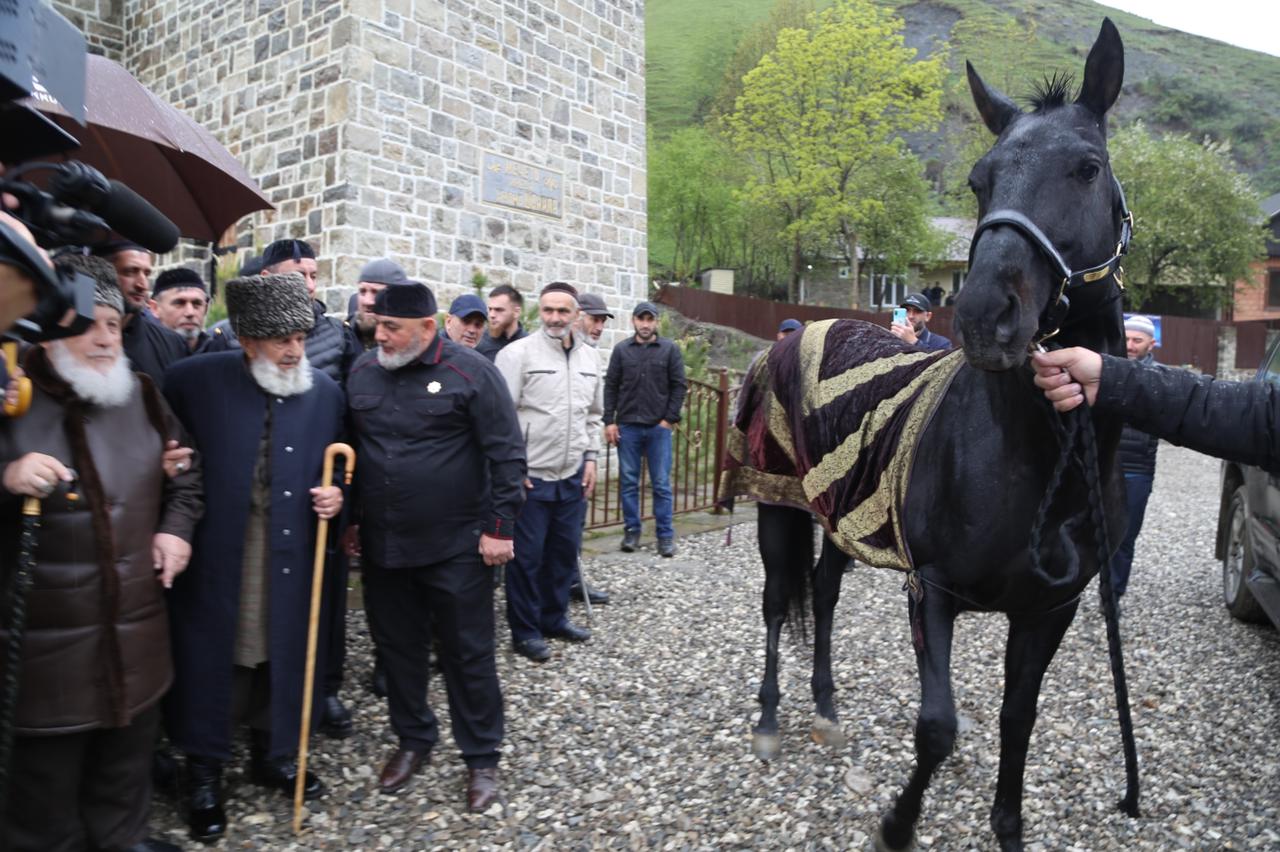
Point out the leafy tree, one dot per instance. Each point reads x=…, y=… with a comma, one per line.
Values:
x=822, y=113
x=752, y=47
x=692, y=176
x=1197, y=220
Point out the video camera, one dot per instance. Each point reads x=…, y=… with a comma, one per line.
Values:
x=42, y=54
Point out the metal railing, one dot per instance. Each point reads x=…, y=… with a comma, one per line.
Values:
x=697, y=457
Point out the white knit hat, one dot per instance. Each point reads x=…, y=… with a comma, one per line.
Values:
x=1138, y=322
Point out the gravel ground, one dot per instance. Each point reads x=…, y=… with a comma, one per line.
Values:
x=641, y=738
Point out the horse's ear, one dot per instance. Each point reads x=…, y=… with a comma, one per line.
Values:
x=1103, y=71
x=996, y=110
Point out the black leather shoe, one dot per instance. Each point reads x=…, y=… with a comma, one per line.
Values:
x=281, y=773
x=533, y=649
x=569, y=632
x=596, y=596
x=152, y=845
x=630, y=540
x=336, y=723
x=205, y=817
x=666, y=547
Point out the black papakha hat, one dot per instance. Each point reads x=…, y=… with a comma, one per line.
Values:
x=560, y=287
x=269, y=305
x=177, y=278
x=408, y=301
x=282, y=250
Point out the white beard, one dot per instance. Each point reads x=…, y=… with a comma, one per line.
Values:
x=278, y=382
x=111, y=389
x=403, y=358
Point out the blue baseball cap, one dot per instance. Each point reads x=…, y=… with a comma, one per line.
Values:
x=790, y=325
x=466, y=305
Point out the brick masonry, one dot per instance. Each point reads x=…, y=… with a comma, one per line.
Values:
x=366, y=121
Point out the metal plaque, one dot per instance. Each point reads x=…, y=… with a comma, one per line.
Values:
x=520, y=186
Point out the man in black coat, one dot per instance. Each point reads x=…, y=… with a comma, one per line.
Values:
x=438, y=487
x=1137, y=456
x=151, y=347
x=261, y=419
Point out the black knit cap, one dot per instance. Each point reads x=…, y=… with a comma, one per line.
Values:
x=177, y=278
x=282, y=250
x=560, y=287
x=408, y=301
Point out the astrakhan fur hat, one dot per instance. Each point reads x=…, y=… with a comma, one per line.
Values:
x=269, y=305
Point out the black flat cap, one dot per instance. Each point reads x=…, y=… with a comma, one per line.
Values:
x=177, y=278
x=408, y=301
x=282, y=250
x=593, y=305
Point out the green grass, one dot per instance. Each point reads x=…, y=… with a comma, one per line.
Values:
x=1013, y=43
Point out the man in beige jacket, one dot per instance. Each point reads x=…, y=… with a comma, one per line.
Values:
x=555, y=381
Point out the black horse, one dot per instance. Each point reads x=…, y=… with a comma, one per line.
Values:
x=1009, y=504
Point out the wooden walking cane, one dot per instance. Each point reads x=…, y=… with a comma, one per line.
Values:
x=313, y=624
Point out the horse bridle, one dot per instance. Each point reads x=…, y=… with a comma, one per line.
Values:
x=1053, y=315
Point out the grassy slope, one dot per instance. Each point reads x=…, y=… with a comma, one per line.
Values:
x=1012, y=42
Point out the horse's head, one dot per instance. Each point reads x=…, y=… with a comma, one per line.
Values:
x=1044, y=187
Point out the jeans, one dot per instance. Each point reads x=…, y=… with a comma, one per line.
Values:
x=548, y=536
x=1137, y=488
x=653, y=443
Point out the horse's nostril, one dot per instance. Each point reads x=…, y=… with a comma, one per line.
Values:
x=1007, y=322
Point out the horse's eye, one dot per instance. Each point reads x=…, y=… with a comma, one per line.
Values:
x=1088, y=172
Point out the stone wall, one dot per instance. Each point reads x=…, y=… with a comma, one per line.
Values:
x=366, y=122
x=99, y=20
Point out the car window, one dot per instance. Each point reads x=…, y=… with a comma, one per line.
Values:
x=1272, y=372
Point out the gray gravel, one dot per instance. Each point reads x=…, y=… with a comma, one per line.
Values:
x=641, y=739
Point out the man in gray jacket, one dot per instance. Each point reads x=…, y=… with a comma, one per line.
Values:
x=555, y=381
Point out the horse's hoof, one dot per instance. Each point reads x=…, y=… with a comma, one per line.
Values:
x=882, y=845
x=766, y=746
x=827, y=733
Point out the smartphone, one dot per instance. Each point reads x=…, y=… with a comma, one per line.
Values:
x=899, y=316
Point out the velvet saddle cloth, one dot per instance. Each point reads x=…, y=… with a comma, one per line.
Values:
x=829, y=421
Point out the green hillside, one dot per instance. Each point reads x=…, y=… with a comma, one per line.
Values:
x=1174, y=80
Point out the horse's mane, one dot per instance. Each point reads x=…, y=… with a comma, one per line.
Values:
x=1052, y=92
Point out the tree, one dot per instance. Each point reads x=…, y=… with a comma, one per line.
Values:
x=752, y=47
x=821, y=113
x=1197, y=223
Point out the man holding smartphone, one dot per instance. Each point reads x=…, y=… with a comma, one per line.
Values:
x=913, y=327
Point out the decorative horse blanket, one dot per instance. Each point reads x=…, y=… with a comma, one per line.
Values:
x=829, y=421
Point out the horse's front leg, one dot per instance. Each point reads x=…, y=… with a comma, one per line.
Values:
x=826, y=594
x=1033, y=640
x=932, y=624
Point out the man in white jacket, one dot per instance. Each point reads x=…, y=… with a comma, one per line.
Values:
x=556, y=383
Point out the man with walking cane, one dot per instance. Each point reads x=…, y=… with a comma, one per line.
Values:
x=438, y=490
x=93, y=638
x=261, y=417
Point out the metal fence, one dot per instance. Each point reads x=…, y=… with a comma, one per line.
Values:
x=697, y=457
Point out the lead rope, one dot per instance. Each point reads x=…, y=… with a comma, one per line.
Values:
x=1093, y=481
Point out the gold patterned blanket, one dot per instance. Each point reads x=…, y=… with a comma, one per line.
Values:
x=829, y=421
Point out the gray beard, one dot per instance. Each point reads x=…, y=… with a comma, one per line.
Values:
x=278, y=382
x=107, y=390
x=402, y=359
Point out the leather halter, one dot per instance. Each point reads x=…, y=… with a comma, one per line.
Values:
x=1051, y=318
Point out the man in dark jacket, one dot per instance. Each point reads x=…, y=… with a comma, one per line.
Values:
x=505, y=307
x=261, y=417
x=180, y=301
x=1236, y=421
x=916, y=330
x=95, y=659
x=438, y=487
x=151, y=347
x=1137, y=457
x=643, y=395
x=330, y=349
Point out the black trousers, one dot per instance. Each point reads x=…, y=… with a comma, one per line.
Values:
x=336, y=592
x=453, y=598
x=74, y=792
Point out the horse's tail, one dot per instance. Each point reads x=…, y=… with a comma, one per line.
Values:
x=786, y=548
x=1093, y=481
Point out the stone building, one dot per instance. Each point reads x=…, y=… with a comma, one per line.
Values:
x=500, y=137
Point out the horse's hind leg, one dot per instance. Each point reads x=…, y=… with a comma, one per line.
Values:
x=826, y=594
x=1033, y=640
x=933, y=618
x=786, y=556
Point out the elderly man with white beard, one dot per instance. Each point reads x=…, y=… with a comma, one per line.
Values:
x=261, y=418
x=95, y=659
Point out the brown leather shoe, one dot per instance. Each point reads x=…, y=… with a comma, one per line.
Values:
x=482, y=788
x=402, y=766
